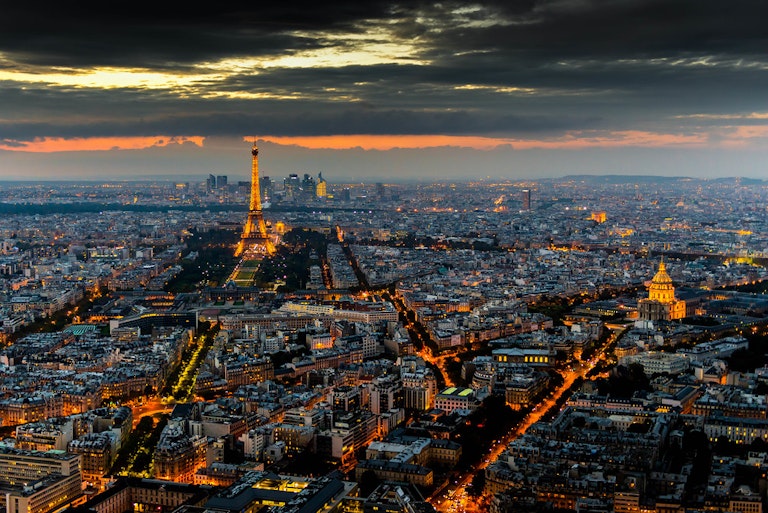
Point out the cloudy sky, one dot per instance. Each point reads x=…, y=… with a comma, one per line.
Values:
x=384, y=90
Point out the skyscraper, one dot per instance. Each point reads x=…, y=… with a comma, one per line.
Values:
x=291, y=186
x=526, y=199
x=321, y=190
x=266, y=188
x=254, y=235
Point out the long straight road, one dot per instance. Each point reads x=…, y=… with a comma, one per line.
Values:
x=453, y=497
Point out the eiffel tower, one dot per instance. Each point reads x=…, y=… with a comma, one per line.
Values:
x=254, y=237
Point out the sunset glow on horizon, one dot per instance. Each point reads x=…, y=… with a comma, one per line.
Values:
x=736, y=137
x=60, y=144
x=572, y=140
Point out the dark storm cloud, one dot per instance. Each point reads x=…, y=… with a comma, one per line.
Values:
x=619, y=29
x=397, y=99
x=167, y=34
x=621, y=64
x=69, y=33
x=304, y=119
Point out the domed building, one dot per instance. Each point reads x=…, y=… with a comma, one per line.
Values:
x=661, y=303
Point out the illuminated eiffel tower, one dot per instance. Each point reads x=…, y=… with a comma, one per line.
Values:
x=254, y=237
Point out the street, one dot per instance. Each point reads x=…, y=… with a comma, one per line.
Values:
x=453, y=497
x=150, y=407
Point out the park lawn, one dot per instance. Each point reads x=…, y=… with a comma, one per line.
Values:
x=245, y=275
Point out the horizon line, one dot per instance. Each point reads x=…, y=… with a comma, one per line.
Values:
x=363, y=180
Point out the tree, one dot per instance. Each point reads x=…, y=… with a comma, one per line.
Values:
x=746, y=360
x=696, y=447
x=758, y=445
x=624, y=381
x=477, y=486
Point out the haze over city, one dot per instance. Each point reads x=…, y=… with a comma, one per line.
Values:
x=375, y=90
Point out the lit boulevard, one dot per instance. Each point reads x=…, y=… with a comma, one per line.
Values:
x=155, y=405
x=151, y=407
x=452, y=496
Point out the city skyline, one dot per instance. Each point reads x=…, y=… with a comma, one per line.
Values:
x=384, y=90
x=485, y=347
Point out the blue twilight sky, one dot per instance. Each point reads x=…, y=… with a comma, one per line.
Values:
x=384, y=90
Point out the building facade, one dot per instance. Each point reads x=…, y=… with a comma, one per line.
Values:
x=661, y=303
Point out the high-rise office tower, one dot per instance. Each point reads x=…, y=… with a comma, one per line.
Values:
x=308, y=185
x=321, y=190
x=254, y=235
x=267, y=188
x=526, y=199
x=291, y=186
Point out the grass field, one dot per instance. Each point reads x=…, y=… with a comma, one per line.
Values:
x=245, y=275
x=246, y=272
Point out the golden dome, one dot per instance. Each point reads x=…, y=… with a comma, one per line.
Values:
x=661, y=303
x=661, y=277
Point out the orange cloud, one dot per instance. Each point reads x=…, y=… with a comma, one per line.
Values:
x=738, y=137
x=750, y=132
x=385, y=142
x=572, y=140
x=56, y=144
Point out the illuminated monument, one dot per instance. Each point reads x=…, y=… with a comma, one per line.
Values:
x=254, y=237
x=661, y=303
